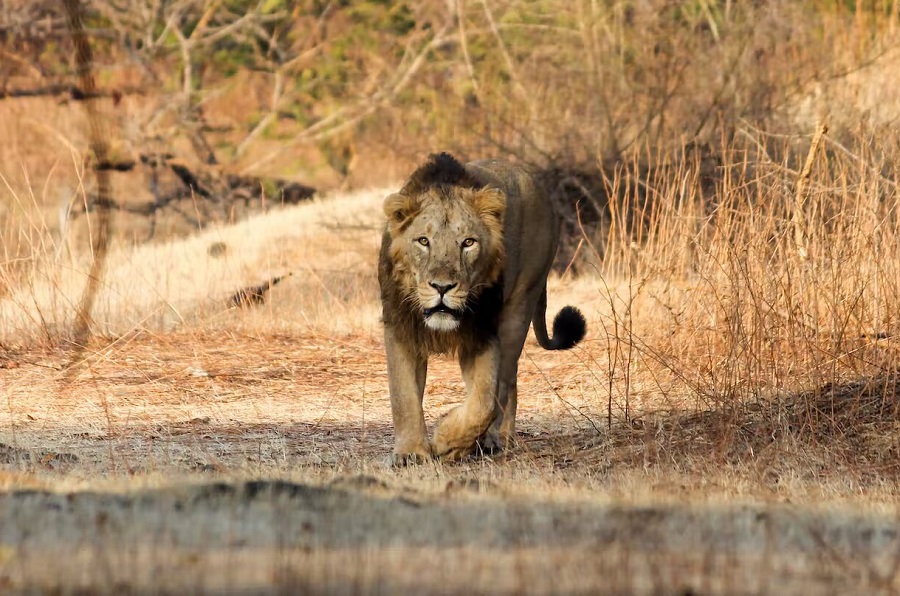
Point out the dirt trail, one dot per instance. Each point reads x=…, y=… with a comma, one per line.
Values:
x=140, y=470
x=226, y=402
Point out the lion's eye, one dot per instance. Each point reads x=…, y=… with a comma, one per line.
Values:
x=423, y=241
x=468, y=242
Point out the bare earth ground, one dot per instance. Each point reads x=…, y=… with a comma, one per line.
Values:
x=224, y=451
x=307, y=420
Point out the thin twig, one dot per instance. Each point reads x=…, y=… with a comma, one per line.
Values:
x=798, y=220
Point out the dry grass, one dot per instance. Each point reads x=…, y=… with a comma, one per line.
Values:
x=741, y=354
x=714, y=343
x=728, y=425
x=162, y=286
x=723, y=373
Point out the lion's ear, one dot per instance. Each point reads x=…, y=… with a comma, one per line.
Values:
x=399, y=207
x=490, y=203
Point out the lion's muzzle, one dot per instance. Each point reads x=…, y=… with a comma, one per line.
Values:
x=442, y=308
x=442, y=317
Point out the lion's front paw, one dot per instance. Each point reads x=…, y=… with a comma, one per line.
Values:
x=401, y=460
x=447, y=454
x=405, y=456
x=454, y=439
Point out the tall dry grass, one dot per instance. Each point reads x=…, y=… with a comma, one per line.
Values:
x=767, y=308
x=779, y=281
x=733, y=284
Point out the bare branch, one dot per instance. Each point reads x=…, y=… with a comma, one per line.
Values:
x=464, y=44
x=350, y=115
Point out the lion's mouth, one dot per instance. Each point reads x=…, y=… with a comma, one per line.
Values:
x=442, y=308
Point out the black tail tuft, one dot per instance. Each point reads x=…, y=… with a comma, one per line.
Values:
x=569, y=327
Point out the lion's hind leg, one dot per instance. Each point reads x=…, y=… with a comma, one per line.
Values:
x=501, y=435
x=513, y=331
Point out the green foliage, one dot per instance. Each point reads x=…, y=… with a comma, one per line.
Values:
x=851, y=6
x=271, y=6
x=384, y=16
x=270, y=188
x=606, y=75
x=224, y=149
x=229, y=59
x=50, y=59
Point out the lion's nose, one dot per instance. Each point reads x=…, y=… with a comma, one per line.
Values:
x=441, y=288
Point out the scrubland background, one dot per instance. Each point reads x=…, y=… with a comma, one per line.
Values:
x=727, y=172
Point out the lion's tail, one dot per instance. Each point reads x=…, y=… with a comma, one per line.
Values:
x=569, y=326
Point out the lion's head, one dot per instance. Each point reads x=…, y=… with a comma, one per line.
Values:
x=446, y=235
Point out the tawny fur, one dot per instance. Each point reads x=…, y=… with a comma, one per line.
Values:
x=485, y=231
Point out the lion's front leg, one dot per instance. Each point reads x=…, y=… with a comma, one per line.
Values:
x=406, y=379
x=457, y=432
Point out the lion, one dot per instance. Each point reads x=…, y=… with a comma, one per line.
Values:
x=463, y=268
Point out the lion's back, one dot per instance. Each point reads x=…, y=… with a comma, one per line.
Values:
x=516, y=180
x=531, y=225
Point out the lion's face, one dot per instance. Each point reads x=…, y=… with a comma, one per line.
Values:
x=447, y=244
